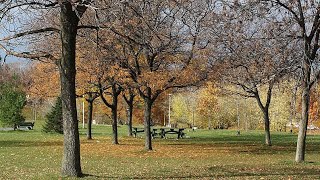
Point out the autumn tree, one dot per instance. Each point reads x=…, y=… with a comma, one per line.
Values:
x=89, y=72
x=257, y=72
x=110, y=86
x=280, y=112
x=160, y=40
x=180, y=113
x=208, y=102
x=314, y=106
x=44, y=80
x=70, y=14
x=231, y=111
x=300, y=20
x=112, y=77
x=253, y=59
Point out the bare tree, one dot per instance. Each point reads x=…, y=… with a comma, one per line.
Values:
x=70, y=13
x=250, y=56
x=301, y=19
x=253, y=67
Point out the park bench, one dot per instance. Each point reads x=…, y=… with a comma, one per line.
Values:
x=178, y=131
x=28, y=125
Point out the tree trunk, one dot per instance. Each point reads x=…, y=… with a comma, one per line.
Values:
x=130, y=109
x=301, y=142
x=90, y=110
x=267, y=127
x=265, y=111
x=129, y=102
x=71, y=152
x=114, y=126
x=147, y=119
x=114, y=111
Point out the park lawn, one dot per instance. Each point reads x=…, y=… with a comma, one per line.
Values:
x=203, y=155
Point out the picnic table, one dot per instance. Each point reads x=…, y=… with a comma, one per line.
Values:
x=162, y=132
x=178, y=131
x=137, y=130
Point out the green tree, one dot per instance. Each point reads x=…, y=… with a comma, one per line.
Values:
x=12, y=101
x=54, y=121
x=180, y=110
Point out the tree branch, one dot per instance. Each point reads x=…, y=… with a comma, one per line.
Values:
x=28, y=55
x=103, y=98
x=8, y=8
x=37, y=31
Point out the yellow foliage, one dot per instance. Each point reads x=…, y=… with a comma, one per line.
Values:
x=207, y=101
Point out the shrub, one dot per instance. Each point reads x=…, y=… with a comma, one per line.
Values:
x=54, y=119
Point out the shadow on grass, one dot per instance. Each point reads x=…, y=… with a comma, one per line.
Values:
x=90, y=176
x=247, y=144
x=256, y=172
x=219, y=172
x=18, y=143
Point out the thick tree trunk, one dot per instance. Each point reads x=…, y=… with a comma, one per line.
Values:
x=71, y=152
x=301, y=142
x=129, y=116
x=147, y=120
x=267, y=127
x=90, y=110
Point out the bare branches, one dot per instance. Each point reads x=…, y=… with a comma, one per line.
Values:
x=8, y=6
x=315, y=25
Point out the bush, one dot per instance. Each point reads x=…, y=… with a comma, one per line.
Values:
x=54, y=119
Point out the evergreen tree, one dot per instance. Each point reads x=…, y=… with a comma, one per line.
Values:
x=54, y=119
x=12, y=101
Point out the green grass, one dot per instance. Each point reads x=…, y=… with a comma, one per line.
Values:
x=203, y=155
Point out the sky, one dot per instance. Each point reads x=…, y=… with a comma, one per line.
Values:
x=23, y=63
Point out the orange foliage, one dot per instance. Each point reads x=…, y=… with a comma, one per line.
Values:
x=45, y=81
